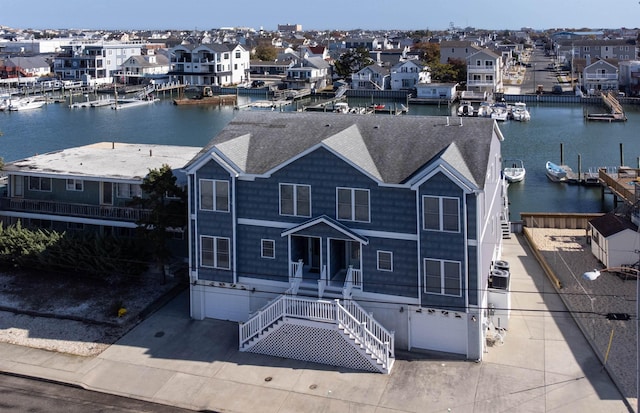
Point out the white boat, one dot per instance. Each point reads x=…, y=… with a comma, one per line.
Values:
x=514, y=170
x=519, y=112
x=25, y=104
x=499, y=112
x=555, y=172
x=465, y=108
x=484, y=111
x=130, y=103
x=341, y=107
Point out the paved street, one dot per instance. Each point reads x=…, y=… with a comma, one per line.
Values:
x=544, y=365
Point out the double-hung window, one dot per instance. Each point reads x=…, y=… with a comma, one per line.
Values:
x=352, y=204
x=295, y=200
x=214, y=252
x=75, y=185
x=441, y=214
x=214, y=195
x=442, y=277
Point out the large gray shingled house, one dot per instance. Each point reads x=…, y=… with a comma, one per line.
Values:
x=337, y=238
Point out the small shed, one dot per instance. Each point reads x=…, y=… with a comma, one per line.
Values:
x=615, y=240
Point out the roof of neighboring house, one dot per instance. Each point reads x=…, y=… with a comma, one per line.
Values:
x=375, y=68
x=141, y=61
x=392, y=149
x=110, y=160
x=27, y=62
x=484, y=51
x=612, y=223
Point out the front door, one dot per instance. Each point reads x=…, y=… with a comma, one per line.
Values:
x=309, y=250
x=106, y=193
x=343, y=253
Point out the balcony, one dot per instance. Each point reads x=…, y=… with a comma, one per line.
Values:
x=107, y=212
x=601, y=76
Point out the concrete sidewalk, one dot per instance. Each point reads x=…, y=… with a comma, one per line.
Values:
x=544, y=365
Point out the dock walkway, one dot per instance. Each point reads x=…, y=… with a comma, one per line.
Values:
x=616, y=113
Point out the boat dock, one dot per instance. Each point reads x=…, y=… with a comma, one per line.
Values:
x=621, y=182
x=616, y=113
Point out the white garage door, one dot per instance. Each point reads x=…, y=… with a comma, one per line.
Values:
x=227, y=305
x=438, y=331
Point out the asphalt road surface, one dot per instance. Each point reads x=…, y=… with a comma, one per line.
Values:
x=539, y=73
x=21, y=395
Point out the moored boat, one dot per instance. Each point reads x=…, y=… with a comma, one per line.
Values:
x=499, y=112
x=519, y=112
x=465, y=109
x=556, y=173
x=514, y=170
x=25, y=104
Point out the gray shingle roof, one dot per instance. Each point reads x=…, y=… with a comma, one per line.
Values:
x=389, y=148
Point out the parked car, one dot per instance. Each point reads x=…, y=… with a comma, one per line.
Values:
x=556, y=90
x=257, y=83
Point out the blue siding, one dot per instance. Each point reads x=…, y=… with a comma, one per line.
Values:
x=250, y=261
x=213, y=223
x=443, y=245
x=392, y=209
x=403, y=280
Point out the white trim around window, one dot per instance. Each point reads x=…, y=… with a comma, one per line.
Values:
x=75, y=184
x=268, y=248
x=295, y=200
x=440, y=213
x=215, y=252
x=442, y=277
x=214, y=195
x=385, y=261
x=353, y=204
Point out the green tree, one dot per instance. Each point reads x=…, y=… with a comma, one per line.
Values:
x=265, y=52
x=428, y=51
x=352, y=61
x=166, y=202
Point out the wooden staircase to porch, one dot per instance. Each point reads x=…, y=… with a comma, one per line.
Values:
x=328, y=332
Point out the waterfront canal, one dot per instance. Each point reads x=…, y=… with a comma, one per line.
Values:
x=55, y=127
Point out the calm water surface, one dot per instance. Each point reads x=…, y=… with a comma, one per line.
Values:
x=55, y=127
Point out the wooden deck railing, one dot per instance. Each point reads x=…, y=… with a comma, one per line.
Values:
x=74, y=210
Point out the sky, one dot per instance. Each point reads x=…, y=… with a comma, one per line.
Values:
x=319, y=15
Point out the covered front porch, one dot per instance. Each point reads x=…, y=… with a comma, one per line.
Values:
x=325, y=257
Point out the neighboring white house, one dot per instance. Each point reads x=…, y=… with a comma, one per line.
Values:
x=615, y=240
x=408, y=73
x=436, y=91
x=311, y=73
x=94, y=62
x=372, y=77
x=210, y=64
x=484, y=72
x=145, y=67
x=600, y=76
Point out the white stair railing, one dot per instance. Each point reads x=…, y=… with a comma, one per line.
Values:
x=361, y=326
x=361, y=331
x=374, y=326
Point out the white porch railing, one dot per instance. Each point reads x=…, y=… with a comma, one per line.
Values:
x=350, y=316
x=322, y=282
x=295, y=270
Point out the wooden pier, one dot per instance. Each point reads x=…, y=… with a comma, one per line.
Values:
x=616, y=113
x=622, y=182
